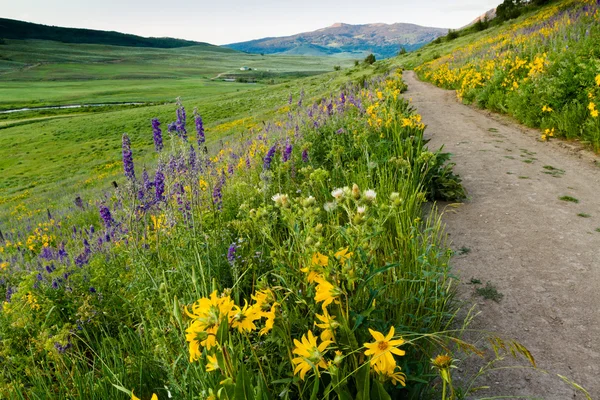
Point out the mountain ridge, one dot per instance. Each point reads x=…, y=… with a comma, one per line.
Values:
x=346, y=40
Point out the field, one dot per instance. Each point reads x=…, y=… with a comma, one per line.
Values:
x=85, y=140
x=275, y=235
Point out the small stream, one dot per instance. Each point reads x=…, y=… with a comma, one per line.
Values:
x=16, y=110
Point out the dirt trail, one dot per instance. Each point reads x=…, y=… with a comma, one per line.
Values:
x=538, y=252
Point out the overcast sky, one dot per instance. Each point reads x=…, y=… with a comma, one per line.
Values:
x=228, y=21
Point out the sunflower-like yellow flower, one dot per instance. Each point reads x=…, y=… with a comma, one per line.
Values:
x=547, y=109
x=310, y=354
x=212, y=364
x=329, y=324
x=597, y=80
x=326, y=292
x=319, y=260
x=134, y=397
x=395, y=376
x=207, y=314
x=270, y=316
x=382, y=351
x=243, y=318
x=343, y=255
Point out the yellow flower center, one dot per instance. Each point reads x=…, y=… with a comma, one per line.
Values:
x=382, y=346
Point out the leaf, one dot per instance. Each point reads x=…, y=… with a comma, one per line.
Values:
x=378, y=392
x=243, y=387
x=363, y=380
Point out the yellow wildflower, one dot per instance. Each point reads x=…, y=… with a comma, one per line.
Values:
x=598, y=80
x=320, y=260
x=270, y=320
x=326, y=292
x=134, y=397
x=594, y=113
x=329, y=324
x=310, y=354
x=4, y=265
x=591, y=106
x=547, y=109
x=382, y=351
x=395, y=376
x=243, y=318
x=343, y=255
x=212, y=363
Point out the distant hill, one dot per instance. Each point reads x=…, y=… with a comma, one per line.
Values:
x=488, y=15
x=345, y=40
x=13, y=29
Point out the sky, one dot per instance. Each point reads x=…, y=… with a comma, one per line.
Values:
x=223, y=22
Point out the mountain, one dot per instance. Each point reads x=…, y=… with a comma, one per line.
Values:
x=13, y=29
x=345, y=40
x=488, y=15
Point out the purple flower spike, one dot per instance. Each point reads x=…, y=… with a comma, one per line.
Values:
x=157, y=133
x=128, y=158
x=305, y=155
x=269, y=157
x=287, y=152
x=106, y=216
x=199, y=128
x=159, y=185
x=231, y=253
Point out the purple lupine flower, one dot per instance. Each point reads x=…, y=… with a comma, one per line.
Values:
x=305, y=155
x=128, y=158
x=231, y=253
x=78, y=202
x=340, y=131
x=172, y=127
x=217, y=195
x=230, y=169
x=146, y=180
x=290, y=99
x=342, y=98
x=157, y=133
x=269, y=157
x=180, y=122
x=62, y=253
x=54, y=284
x=193, y=158
x=106, y=216
x=287, y=152
x=62, y=348
x=248, y=163
x=49, y=268
x=92, y=289
x=9, y=292
x=159, y=186
x=199, y=128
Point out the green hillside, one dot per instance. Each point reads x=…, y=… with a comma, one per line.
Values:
x=543, y=68
x=13, y=29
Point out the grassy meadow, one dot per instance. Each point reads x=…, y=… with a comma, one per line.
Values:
x=42, y=144
x=270, y=240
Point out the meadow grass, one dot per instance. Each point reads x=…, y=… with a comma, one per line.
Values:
x=318, y=213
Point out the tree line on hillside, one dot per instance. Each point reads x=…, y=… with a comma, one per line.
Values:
x=20, y=30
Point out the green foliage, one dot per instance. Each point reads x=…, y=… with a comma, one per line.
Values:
x=370, y=59
x=452, y=34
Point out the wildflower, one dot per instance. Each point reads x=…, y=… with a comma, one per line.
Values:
x=382, y=350
x=328, y=324
x=269, y=157
x=370, y=195
x=361, y=209
x=192, y=158
x=319, y=260
x=343, y=255
x=159, y=186
x=597, y=80
x=199, y=128
x=310, y=354
x=547, y=109
x=243, y=318
x=325, y=292
x=338, y=194
x=106, y=216
x=329, y=207
x=287, y=152
x=128, y=158
x=157, y=134
x=231, y=253
x=395, y=376
x=212, y=363
x=355, y=191
x=134, y=397
x=305, y=155
x=281, y=199
x=270, y=315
